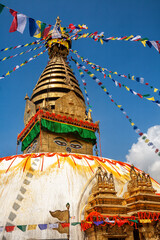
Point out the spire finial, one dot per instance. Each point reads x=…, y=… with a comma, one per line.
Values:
x=58, y=22
x=26, y=97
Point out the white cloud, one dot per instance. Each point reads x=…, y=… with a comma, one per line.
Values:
x=144, y=157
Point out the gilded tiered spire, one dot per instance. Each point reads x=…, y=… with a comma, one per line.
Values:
x=57, y=78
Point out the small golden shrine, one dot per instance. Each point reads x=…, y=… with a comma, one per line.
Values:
x=135, y=216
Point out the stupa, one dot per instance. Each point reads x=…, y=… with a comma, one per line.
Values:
x=57, y=189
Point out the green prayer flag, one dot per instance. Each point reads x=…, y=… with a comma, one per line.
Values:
x=136, y=221
x=43, y=25
x=75, y=223
x=22, y=227
x=146, y=95
x=1, y=7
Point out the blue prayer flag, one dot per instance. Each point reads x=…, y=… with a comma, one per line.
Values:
x=32, y=26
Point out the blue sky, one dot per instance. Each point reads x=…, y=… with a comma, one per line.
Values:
x=114, y=18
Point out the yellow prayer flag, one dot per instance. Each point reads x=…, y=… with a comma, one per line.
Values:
x=151, y=99
x=7, y=73
x=91, y=75
x=119, y=106
x=22, y=64
x=26, y=45
x=129, y=38
x=21, y=53
x=4, y=58
x=105, y=89
x=132, y=124
x=38, y=31
x=132, y=77
x=5, y=49
x=102, y=69
x=145, y=220
x=81, y=73
x=113, y=38
x=147, y=140
x=85, y=91
x=144, y=43
x=85, y=35
x=115, y=73
x=155, y=89
x=127, y=88
x=110, y=76
x=101, y=41
x=32, y=227
x=62, y=30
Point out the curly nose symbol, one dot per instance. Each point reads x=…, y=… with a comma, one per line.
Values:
x=68, y=149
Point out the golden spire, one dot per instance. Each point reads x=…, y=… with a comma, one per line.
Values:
x=57, y=79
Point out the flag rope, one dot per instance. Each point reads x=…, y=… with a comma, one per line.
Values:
x=135, y=128
x=23, y=45
x=22, y=64
x=18, y=54
x=102, y=70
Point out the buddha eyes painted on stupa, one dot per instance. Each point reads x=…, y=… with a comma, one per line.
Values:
x=61, y=142
x=69, y=144
x=75, y=144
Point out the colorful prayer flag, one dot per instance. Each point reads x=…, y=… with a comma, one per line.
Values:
x=1, y=7
x=22, y=227
x=32, y=26
x=42, y=226
x=65, y=225
x=14, y=24
x=32, y=227
x=9, y=228
x=53, y=225
x=46, y=31
x=21, y=21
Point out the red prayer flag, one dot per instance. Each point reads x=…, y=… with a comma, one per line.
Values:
x=71, y=26
x=121, y=222
x=14, y=24
x=9, y=228
x=139, y=95
x=65, y=225
x=100, y=83
x=46, y=31
x=158, y=45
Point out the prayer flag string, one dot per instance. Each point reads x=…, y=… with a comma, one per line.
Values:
x=135, y=128
x=84, y=86
x=37, y=28
x=22, y=64
x=92, y=218
x=118, y=84
x=102, y=70
x=23, y=45
x=18, y=54
x=100, y=38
